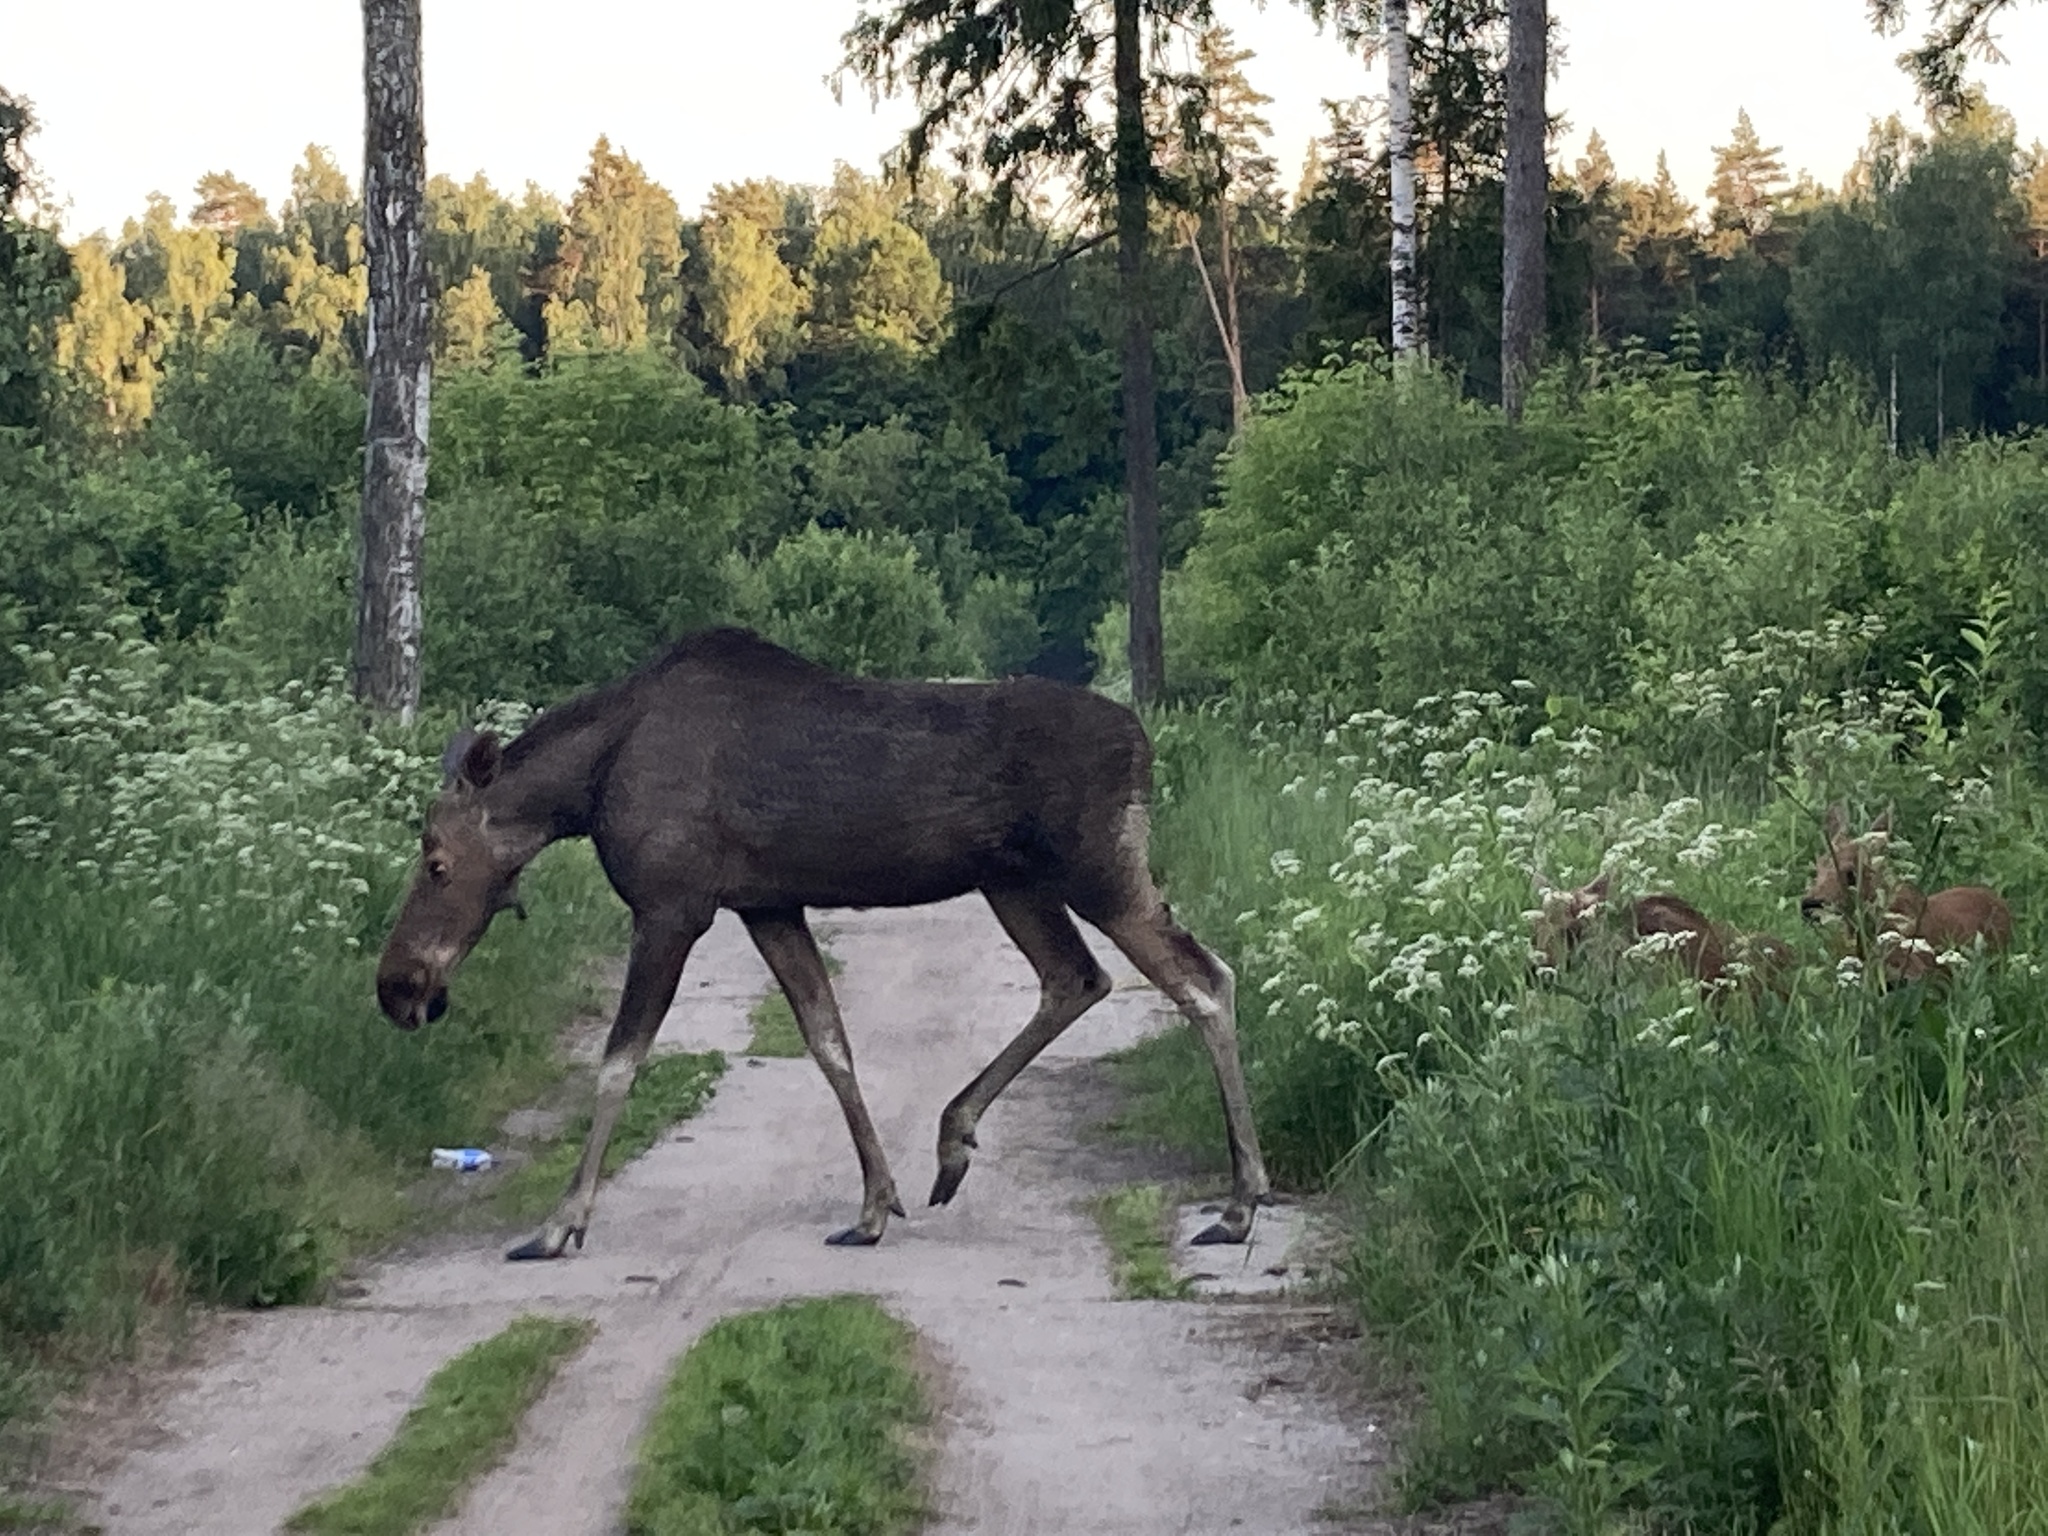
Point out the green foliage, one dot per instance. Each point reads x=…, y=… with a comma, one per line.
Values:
x=192, y=890
x=465, y=1421
x=791, y=1420
x=859, y=603
x=1135, y=1222
x=581, y=518
x=1747, y=1262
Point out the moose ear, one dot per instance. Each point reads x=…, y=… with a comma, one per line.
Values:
x=1836, y=823
x=472, y=759
x=1543, y=883
x=1883, y=825
x=1597, y=887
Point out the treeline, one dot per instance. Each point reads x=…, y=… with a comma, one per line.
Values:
x=878, y=360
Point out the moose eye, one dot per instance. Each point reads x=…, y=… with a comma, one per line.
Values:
x=437, y=869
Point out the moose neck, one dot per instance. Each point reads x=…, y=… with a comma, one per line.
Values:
x=547, y=788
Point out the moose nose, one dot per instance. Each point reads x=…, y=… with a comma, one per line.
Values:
x=409, y=999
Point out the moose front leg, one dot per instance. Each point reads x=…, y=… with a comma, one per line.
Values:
x=652, y=972
x=785, y=942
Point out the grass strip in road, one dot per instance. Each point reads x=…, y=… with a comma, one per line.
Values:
x=463, y=1424
x=1135, y=1222
x=802, y=1417
x=667, y=1090
x=776, y=1032
x=775, y=1027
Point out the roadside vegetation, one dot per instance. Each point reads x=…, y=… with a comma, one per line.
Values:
x=803, y=1417
x=466, y=1419
x=1654, y=1260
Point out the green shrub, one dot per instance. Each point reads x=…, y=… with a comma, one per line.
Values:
x=858, y=603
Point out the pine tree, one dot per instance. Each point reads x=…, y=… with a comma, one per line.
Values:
x=621, y=257
x=227, y=205
x=1749, y=182
x=1600, y=191
x=753, y=307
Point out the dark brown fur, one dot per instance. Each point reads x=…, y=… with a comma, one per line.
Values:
x=1914, y=930
x=731, y=773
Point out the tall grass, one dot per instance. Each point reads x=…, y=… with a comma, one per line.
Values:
x=200, y=1098
x=1667, y=1263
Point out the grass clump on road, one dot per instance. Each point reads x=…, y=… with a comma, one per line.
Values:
x=796, y=1418
x=775, y=1027
x=668, y=1090
x=1135, y=1223
x=461, y=1427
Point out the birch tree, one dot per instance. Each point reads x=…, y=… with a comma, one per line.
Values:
x=399, y=363
x=1525, y=203
x=1403, y=267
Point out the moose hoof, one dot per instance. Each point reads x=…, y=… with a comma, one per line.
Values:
x=544, y=1246
x=1233, y=1228
x=947, y=1184
x=853, y=1237
x=896, y=1207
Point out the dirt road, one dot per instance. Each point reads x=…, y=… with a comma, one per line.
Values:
x=1065, y=1411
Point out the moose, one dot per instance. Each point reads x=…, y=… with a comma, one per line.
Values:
x=730, y=773
x=1915, y=932
x=1715, y=956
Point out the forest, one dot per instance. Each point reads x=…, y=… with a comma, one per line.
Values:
x=1769, y=535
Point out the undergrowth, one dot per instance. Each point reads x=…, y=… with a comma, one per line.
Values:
x=1743, y=1263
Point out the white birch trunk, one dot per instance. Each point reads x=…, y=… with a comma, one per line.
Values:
x=398, y=361
x=1407, y=326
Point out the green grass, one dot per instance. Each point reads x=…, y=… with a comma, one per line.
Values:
x=37, y=1517
x=1135, y=1222
x=799, y=1418
x=776, y=1032
x=667, y=1090
x=775, y=1027
x=464, y=1422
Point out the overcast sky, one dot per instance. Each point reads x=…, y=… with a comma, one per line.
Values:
x=134, y=99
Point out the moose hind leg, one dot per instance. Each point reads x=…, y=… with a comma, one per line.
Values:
x=1205, y=991
x=653, y=970
x=1070, y=983
x=785, y=942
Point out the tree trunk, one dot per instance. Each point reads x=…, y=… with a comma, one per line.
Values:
x=1141, y=429
x=398, y=361
x=1407, y=325
x=1525, y=199
x=1226, y=261
x=1225, y=318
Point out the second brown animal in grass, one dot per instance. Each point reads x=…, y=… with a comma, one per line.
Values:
x=1914, y=930
x=1713, y=954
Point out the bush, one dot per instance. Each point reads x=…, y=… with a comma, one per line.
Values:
x=858, y=603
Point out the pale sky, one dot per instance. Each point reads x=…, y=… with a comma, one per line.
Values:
x=136, y=96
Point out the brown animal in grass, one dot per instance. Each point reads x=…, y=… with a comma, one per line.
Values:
x=731, y=773
x=1914, y=930
x=1714, y=955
